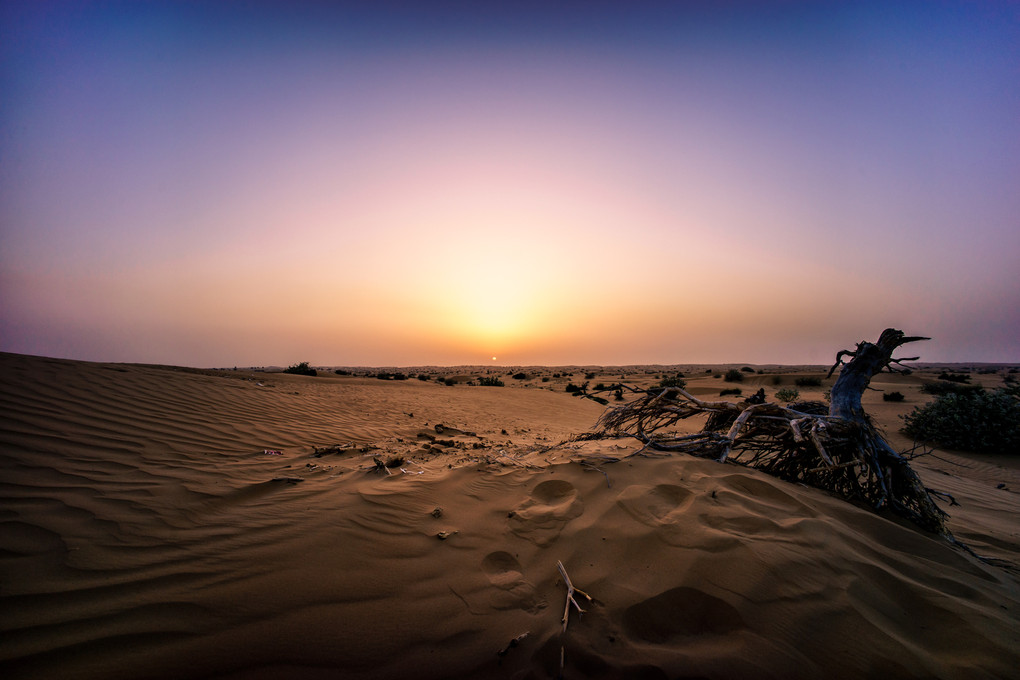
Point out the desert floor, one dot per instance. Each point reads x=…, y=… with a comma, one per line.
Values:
x=158, y=522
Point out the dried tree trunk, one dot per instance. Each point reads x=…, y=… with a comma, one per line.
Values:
x=868, y=359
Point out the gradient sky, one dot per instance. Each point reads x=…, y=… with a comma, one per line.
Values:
x=219, y=184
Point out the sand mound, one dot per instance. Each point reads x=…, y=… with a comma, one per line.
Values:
x=170, y=524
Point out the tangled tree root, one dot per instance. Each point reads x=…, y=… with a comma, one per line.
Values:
x=835, y=448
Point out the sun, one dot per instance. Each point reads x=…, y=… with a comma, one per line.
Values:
x=493, y=358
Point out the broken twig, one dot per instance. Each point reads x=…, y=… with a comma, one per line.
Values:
x=571, y=590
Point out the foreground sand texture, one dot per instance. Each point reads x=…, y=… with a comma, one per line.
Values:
x=151, y=525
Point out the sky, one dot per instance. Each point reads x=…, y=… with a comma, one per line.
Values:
x=520, y=183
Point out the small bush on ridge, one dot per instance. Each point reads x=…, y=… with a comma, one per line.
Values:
x=301, y=369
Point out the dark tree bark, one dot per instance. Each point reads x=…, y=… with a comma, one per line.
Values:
x=868, y=359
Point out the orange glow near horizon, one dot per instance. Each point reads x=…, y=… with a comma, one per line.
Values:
x=363, y=188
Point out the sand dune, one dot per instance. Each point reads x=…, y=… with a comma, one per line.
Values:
x=166, y=523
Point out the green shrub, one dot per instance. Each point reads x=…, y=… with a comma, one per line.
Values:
x=301, y=369
x=787, y=394
x=731, y=390
x=808, y=381
x=733, y=375
x=978, y=421
x=490, y=381
x=893, y=396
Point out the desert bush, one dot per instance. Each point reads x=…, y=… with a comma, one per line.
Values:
x=449, y=382
x=545, y=378
x=731, y=390
x=808, y=381
x=955, y=377
x=424, y=377
x=787, y=394
x=589, y=376
x=944, y=387
x=733, y=375
x=572, y=388
x=301, y=369
x=618, y=394
x=893, y=396
x=747, y=369
x=490, y=381
x=978, y=421
x=777, y=380
x=341, y=371
x=383, y=375
x=520, y=376
x=673, y=381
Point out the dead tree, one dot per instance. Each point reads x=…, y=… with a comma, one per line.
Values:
x=833, y=447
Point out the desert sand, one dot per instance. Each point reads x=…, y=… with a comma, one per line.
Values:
x=174, y=523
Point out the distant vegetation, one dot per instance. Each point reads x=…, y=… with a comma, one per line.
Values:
x=808, y=381
x=391, y=376
x=301, y=369
x=490, y=381
x=520, y=376
x=893, y=396
x=981, y=421
x=733, y=375
x=946, y=387
x=955, y=377
x=732, y=390
x=673, y=381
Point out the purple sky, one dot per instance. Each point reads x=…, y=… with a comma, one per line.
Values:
x=441, y=183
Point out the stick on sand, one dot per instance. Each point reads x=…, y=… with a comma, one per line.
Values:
x=570, y=596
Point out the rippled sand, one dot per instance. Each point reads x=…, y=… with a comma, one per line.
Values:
x=168, y=523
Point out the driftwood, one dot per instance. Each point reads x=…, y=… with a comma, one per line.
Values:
x=833, y=447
